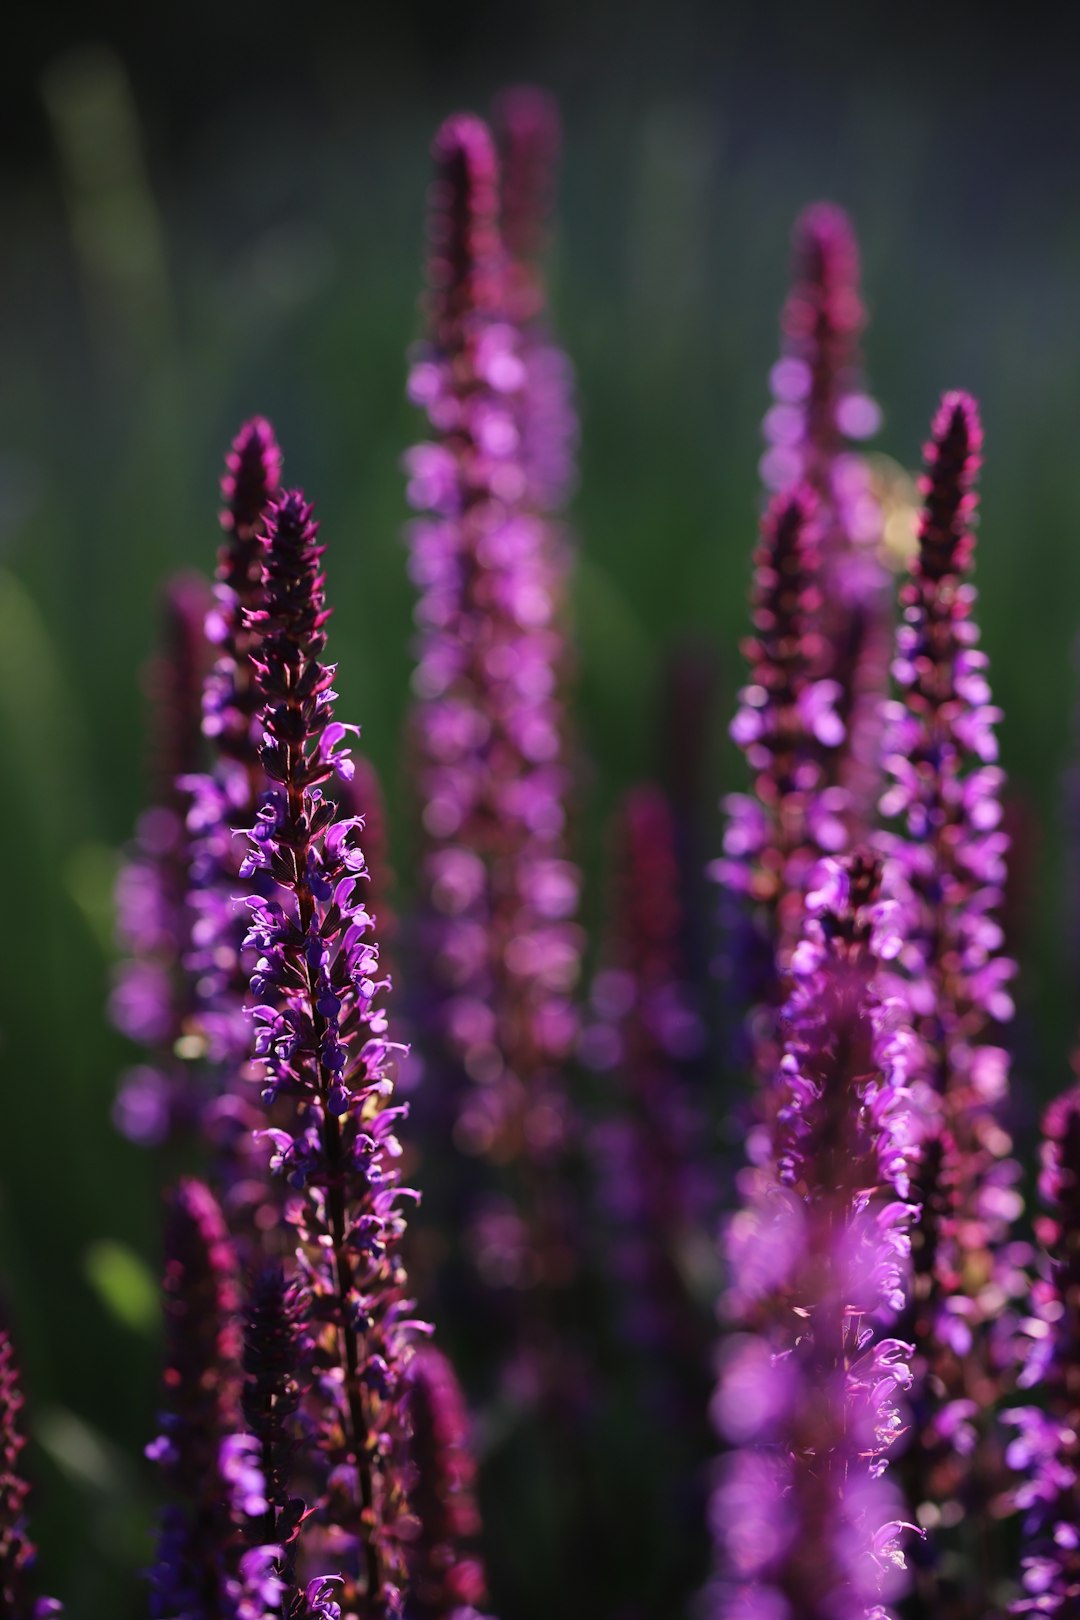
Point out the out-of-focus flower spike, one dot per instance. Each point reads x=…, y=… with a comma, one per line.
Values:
x=529, y=136
x=446, y=1573
x=199, y=1543
x=502, y=942
x=466, y=278
x=809, y=1393
x=323, y=1045
x=941, y=754
x=1045, y=1451
x=653, y=1175
x=820, y=415
x=276, y=1359
x=151, y=1000
x=18, y=1555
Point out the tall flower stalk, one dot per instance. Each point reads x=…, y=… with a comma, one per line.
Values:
x=447, y=1576
x=803, y=1516
x=326, y=1059
x=220, y=801
x=151, y=1000
x=200, y=1543
x=652, y=1160
x=489, y=726
x=941, y=753
x=1046, y=1449
x=785, y=724
x=530, y=137
x=18, y=1554
x=821, y=413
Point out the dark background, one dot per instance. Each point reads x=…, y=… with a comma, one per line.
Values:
x=217, y=209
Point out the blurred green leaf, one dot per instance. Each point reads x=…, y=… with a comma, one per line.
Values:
x=124, y=1284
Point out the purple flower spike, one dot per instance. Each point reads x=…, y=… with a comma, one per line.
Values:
x=251, y=480
x=276, y=1358
x=199, y=1544
x=465, y=270
x=785, y=724
x=17, y=1552
x=529, y=134
x=489, y=724
x=654, y=1179
x=151, y=999
x=809, y=1390
x=322, y=1044
x=820, y=415
x=1046, y=1449
x=446, y=1573
x=941, y=753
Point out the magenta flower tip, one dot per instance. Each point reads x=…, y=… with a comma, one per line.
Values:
x=465, y=268
x=953, y=458
x=252, y=475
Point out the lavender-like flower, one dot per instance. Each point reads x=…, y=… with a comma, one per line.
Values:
x=1046, y=1448
x=231, y=705
x=941, y=753
x=203, y=1461
x=786, y=723
x=447, y=1576
x=151, y=1000
x=323, y=1047
x=653, y=1171
x=219, y=802
x=821, y=412
x=276, y=1354
x=529, y=136
x=804, y=1520
x=489, y=724
x=18, y=1554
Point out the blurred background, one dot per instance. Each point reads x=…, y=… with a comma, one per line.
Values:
x=219, y=210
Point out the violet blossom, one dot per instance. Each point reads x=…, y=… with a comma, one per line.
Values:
x=276, y=1355
x=199, y=1450
x=151, y=1001
x=652, y=1166
x=1046, y=1449
x=785, y=722
x=502, y=942
x=941, y=753
x=820, y=416
x=323, y=1049
x=446, y=1574
x=529, y=138
x=221, y=801
x=804, y=1517
x=18, y=1555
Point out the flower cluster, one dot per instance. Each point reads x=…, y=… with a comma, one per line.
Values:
x=1046, y=1449
x=785, y=720
x=820, y=413
x=275, y=1357
x=17, y=1551
x=199, y=1449
x=321, y=1039
x=488, y=723
x=527, y=125
x=941, y=753
x=810, y=1385
x=152, y=997
x=653, y=1171
x=446, y=1575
